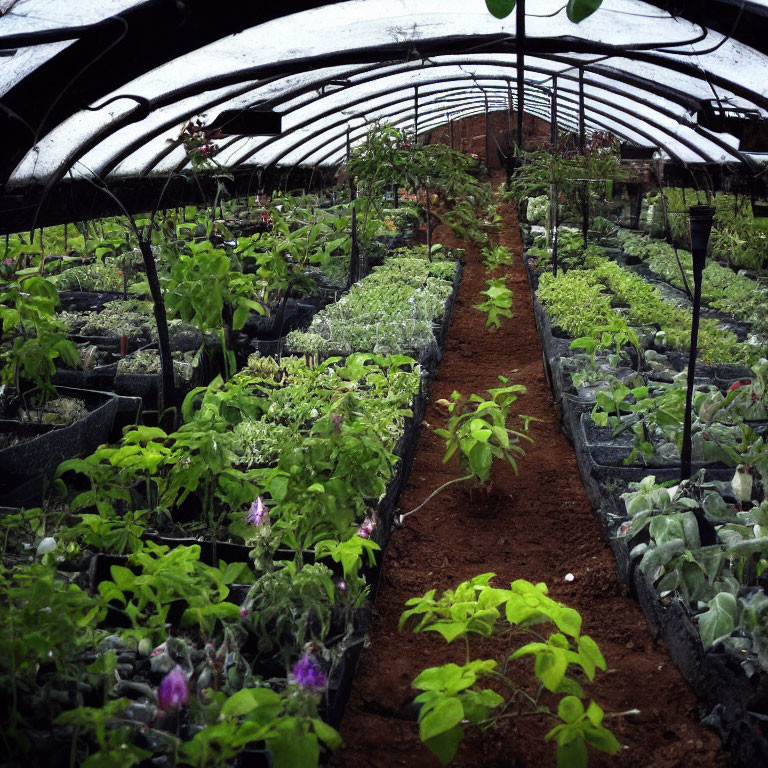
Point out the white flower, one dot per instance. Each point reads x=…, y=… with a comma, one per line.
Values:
x=46, y=545
x=314, y=413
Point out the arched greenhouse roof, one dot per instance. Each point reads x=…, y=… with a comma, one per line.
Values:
x=101, y=89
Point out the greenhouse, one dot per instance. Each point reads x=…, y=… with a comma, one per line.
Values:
x=384, y=383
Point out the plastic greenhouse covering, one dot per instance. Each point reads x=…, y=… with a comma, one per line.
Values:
x=333, y=69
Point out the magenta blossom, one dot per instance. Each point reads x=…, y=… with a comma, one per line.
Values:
x=366, y=528
x=257, y=514
x=341, y=585
x=308, y=675
x=174, y=691
x=243, y=612
x=336, y=421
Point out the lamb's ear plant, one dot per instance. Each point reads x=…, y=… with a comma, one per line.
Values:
x=499, y=302
x=452, y=695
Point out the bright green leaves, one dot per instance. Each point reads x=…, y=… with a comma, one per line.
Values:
x=478, y=430
x=470, y=608
x=446, y=701
x=580, y=727
x=450, y=697
x=500, y=8
x=578, y=10
x=499, y=302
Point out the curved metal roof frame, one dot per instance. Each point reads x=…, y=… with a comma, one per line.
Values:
x=371, y=74
x=140, y=22
x=476, y=59
x=617, y=127
x=296, y=66
x=562, y=99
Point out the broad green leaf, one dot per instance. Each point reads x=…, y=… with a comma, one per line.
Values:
x=570, y=709
x=500, y=8
x=444, y=745
x=446, y=714
x=578, y=10
x=719, y=619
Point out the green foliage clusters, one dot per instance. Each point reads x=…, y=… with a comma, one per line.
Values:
x=32, y=338
x=498, y=303
x=478, y=430
x=391, y=311
x=722, y=289
x=582, y=300
x=711, y=579
x=387, y=158
x=452, y=695
x=737, y=238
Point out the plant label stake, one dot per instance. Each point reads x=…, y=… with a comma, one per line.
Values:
x=700, y=227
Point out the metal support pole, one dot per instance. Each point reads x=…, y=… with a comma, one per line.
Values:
x=450, y=131
x=487, y=131
x=553, y=117
x=582, y=111
x=520, y=35
x=429, y=222
x=354, y=254
x=701, y=225
x=509, y=114
x=416, y=114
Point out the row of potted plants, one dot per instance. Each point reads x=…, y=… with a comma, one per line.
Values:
x=693, y=552
x=271, y=458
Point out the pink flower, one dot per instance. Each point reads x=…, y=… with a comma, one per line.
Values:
x=366, y=528
x=336, y=420
x=174, y=691
x=243, y=612
x=341, y=585
x=257, y=514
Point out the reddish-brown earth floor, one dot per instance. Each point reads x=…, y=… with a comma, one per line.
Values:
x=544, y=530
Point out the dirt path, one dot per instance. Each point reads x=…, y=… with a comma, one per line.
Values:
x=544, y=531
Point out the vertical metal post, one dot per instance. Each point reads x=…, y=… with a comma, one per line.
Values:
x=450, y=131
x=487, y=130
x=553, y=116
x=701, y=224
x=582, y=112
x=354, y=254
x=416, y=114
x=520, y=35
x=509, y=113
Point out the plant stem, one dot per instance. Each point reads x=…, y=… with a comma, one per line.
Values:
x=434, y=493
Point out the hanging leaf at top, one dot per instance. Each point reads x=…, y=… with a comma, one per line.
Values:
x=500, y=8
x=578, y=10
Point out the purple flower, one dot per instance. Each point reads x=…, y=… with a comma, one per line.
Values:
x=366, y=528
x=341, y=585
x=336, y=419
x=174, y=691
x=243, y=612
x=308, y=675
x=257, y=514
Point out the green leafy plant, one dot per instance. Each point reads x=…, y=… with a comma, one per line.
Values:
x=496, y=256
x=478, y=430
x=32, y=339
x=451, y=694
x=499, y=302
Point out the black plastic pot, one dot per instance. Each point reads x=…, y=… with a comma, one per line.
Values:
x=87, y=301
x=35, y=461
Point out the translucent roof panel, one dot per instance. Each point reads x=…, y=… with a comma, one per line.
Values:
x=27, y=16
x=645, y=72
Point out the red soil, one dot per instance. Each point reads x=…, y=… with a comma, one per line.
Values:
x=543, y=531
